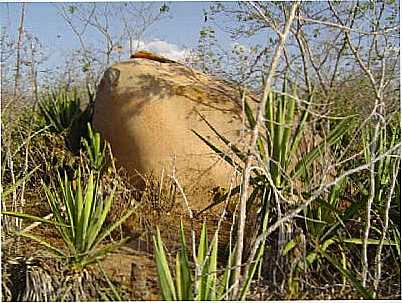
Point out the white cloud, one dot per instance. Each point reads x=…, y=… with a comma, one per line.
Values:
x=162, y=48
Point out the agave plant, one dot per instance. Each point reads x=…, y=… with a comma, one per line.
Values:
x=282, y=158
x=201, y=282
x=279, y=143
x=388, y=136
x=60, y=109
x=94, y=149
x=324, y=220
x=187, y=287
x=79, y=215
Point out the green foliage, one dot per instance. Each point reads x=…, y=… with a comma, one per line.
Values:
x=185, y=287
x=321, y=252
x=94, y=150
x=323, y=217
x=79, y=214
x=278, y=144
x=62, y=112
x=204, y=284
x=60, y=109
x=164, y=8
x=86, y=67
x=6, y=191
x=325, y=224
x=388, y=137
x=115, y=294
x=71, y=9
x=346, y=273
x=283, y=143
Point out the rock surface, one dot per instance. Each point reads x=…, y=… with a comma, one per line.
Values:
x=147, y=111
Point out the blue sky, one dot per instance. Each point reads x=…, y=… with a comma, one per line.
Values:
x=42, y=19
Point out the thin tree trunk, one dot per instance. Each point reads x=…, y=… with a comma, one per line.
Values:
x=251, y=148
x=34, y=82
x=19, y=45
x=378, y=257
x=2, y=62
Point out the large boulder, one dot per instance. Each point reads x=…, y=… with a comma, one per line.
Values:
x=147, y=110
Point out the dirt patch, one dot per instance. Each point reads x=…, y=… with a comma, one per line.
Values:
x=135, y=271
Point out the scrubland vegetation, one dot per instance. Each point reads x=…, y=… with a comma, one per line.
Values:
x=317, y=213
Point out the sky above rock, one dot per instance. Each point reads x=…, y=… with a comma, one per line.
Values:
x=172, y=36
